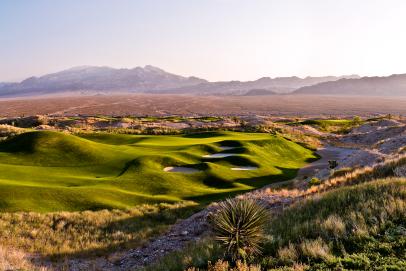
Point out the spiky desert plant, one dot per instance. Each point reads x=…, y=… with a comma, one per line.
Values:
x=238, y=225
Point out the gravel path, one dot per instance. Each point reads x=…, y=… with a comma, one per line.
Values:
x=327, y=153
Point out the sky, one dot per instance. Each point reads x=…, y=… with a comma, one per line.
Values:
x=211, y=39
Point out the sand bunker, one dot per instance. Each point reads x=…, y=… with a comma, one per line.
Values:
x=219, y=155
x=244, y=168
x=181, y=169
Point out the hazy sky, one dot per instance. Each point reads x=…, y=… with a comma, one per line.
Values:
x=213, y=39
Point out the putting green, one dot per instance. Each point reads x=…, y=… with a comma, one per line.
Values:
x=51, y=171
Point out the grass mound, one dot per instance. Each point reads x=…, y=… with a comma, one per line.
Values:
x=52, y=149
x=50, y=171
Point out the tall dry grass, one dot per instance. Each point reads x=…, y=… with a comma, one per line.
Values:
x=90, y=232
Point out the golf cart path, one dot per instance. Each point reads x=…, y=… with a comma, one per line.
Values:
x=326, y=153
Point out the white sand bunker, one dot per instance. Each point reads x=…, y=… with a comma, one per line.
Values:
x=219, y=155
x=244, y=168
x=181, y=169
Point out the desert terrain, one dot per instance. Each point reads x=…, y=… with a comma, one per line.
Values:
x=166, y=105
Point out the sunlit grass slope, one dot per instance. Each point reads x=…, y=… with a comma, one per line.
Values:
x=51, y=171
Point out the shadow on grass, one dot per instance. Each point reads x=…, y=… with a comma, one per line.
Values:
x=140, y=228
x=230, y=143
x=313, y=159
x=204, y=134
x=217, y=182
x=134, y=162
x=24, y=143
x=255, y=182
x=237, y=161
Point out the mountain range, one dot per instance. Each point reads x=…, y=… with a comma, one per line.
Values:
x=150, y=79
x=99, y=79
x=394, y=85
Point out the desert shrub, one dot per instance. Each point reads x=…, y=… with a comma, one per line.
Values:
x=288, y=254
x=333, y=226
x=239, y=225
x=357, y=120
x=333, y=164
x=315, y=249
x=314, y=181
x=9, y=130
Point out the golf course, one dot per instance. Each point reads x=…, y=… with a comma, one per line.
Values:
x=47, y=171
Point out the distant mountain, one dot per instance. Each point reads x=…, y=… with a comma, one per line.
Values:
x=281, y=85
x=105, y=79
x=394, y=85
x=149, y=79
x=259, y=92
x=3, y=84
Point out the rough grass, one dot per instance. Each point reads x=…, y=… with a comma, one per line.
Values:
x=12, y=259
x=88, y=233
x=362, y=227
x=51, y=171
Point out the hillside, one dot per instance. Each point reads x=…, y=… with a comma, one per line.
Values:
x=394, y=85
x=349, y=228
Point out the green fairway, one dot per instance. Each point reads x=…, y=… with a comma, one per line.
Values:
x=52, y=171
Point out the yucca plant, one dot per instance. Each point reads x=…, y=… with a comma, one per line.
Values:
x=239, y=225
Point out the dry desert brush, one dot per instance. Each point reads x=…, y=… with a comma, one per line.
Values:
x=239, y=226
